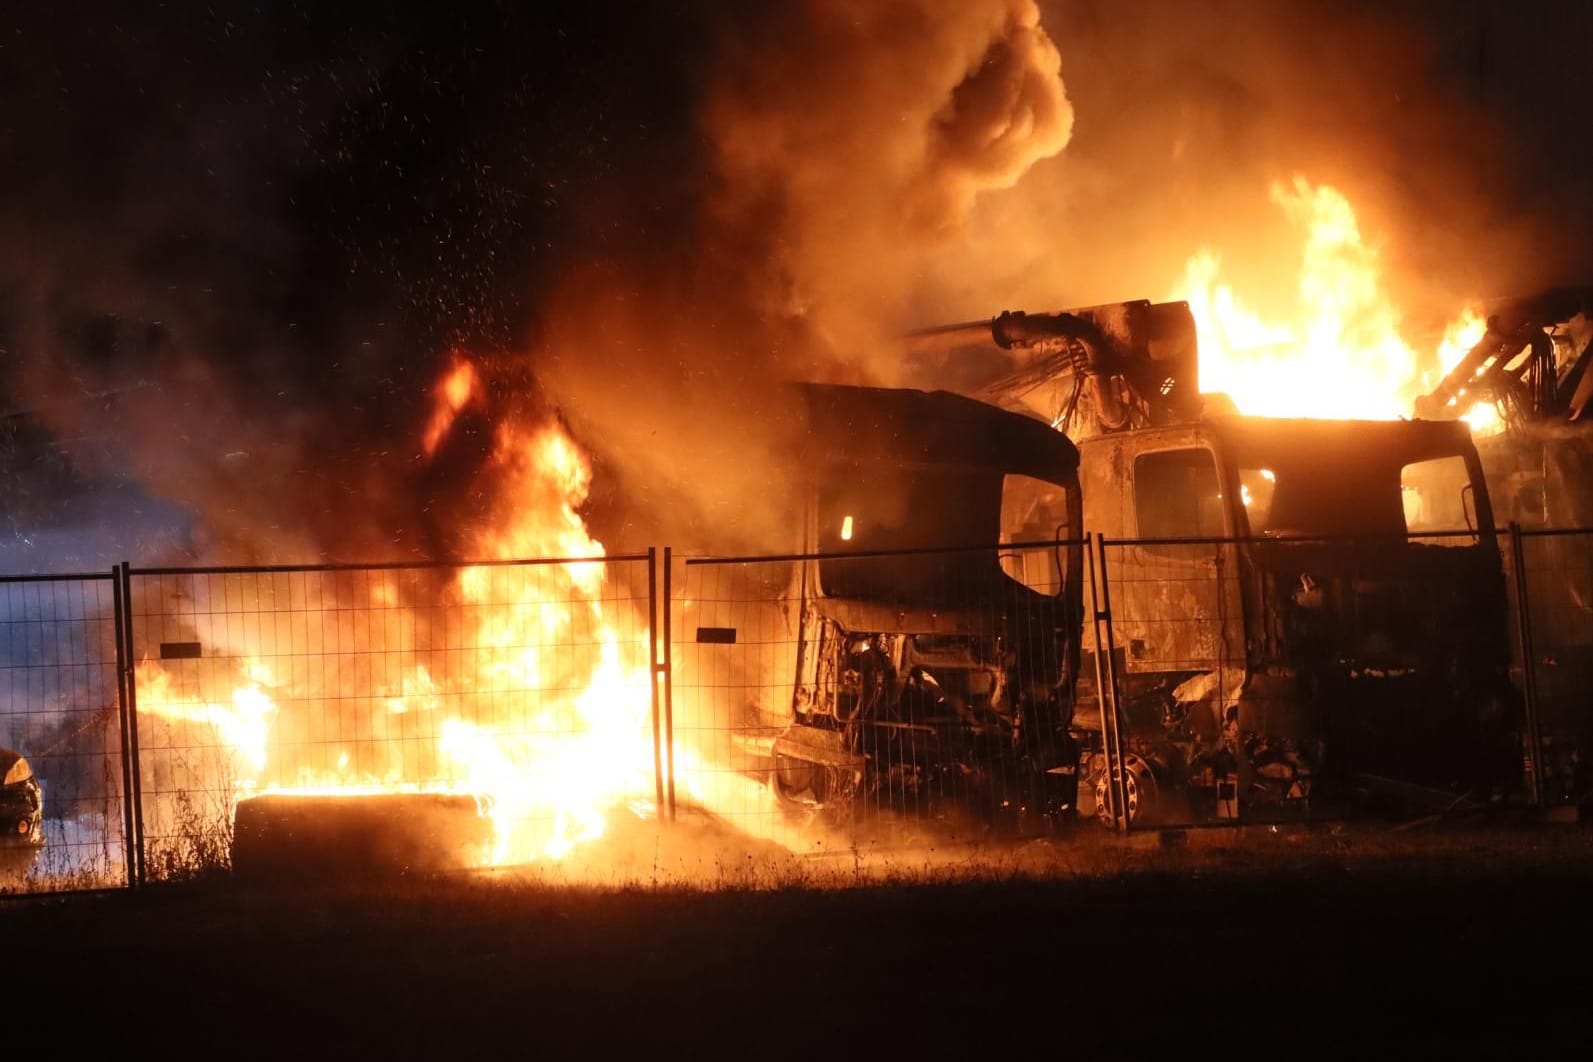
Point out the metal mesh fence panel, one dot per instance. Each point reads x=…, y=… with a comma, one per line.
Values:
x=62, y=809
x=1175, y=641
x=483, y=714
x=1270, y=678
x=1557, y=582
x=831, y=700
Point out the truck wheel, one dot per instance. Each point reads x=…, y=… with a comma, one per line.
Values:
x=805, y=784
x=1140, y=793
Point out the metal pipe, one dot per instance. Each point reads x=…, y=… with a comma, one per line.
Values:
x=791, y=558
x=62, y=577
x=951, y=336
x=390, y=566
x=132, y=728
x=1102, y=695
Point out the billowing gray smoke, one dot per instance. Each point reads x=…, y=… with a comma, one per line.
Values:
x=237, y=249
x=655, y=211
x=847, y=144
x=855, y=139
x=167, y=319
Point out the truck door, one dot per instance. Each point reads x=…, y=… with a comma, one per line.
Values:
x=1176, y=597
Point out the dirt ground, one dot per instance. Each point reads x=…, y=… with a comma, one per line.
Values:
x=1450, y=940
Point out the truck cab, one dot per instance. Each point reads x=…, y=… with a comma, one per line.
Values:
x=1298, y=607
x=937, y=607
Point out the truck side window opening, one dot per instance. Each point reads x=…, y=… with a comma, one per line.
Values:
x=1437, y=496
x=1033, y=510
x=906, y=507
x=1177, y=495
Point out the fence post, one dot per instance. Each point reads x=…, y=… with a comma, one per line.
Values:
x=1106, y=689
x=133, y=786
x=657, y=676
x=1529, y=674
x=129, y=839
x=669, y=679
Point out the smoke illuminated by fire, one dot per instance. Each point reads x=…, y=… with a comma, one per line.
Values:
x=1339, y=353
x=873, y=128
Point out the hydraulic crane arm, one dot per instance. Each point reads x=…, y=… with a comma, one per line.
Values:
x=1131, y=364
x=1530, y=362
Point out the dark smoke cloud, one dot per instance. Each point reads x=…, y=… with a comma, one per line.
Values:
x=163, y=311
x=846, y=145
x=641, y=215
x=856, y=135
x=237, y=246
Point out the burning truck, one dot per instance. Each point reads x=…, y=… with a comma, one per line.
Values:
x=1300, y=611
x=938, y=628
x=1525, y=374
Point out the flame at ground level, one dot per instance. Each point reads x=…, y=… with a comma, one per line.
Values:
x=526, y=686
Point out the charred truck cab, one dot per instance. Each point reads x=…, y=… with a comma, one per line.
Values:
x=940, y=609
x=1300, y=610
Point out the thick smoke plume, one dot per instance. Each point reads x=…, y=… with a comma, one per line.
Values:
x=646, y=214
x=238, y=249
x=854, y=139
x=847, y=145
x=165, y=315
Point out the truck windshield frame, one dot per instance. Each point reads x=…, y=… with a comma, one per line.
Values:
x=874, y=507
x=1346, y=477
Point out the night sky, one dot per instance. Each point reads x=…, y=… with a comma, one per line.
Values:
x=237, y=242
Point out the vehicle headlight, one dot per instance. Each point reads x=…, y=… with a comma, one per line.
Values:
x=19, y=772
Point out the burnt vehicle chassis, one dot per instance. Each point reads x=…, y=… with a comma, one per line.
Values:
x=1317, y=652
x=929, y=677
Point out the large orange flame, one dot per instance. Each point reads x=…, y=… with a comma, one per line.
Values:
x=548, y=723
x=1339, y=351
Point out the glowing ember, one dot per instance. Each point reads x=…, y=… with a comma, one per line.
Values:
x=454, y=392
x=1339, y=352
